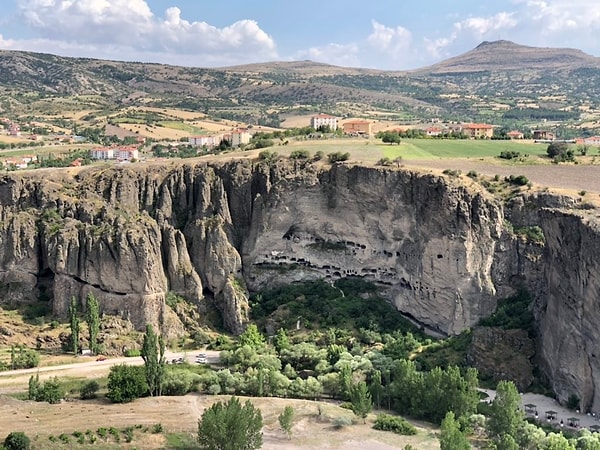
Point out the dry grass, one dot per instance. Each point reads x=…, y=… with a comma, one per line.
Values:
x=180, y=414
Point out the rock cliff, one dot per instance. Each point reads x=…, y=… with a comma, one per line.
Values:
x=441, y=249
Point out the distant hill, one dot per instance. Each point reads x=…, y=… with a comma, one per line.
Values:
x=493, y=82
x=506, y=56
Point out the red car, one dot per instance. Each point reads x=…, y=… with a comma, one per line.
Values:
x=101, y=358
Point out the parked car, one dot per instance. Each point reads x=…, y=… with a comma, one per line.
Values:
x=201, y=359
x=101, y=358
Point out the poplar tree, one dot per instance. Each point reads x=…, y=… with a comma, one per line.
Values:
x=74, y=325
x=451, y=437
x=360, y=397
x=93, y=321
x=153, y=354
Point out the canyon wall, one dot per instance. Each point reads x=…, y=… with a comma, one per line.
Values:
x=442, y=250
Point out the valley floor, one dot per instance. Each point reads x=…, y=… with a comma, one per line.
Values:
x=180, y=415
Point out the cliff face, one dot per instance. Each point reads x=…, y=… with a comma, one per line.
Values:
x=439, y=248
x=131, y=234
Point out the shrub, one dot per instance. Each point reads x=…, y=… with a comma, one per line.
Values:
x=385, y=161
x=51, y=391
x=338, y=157
x=126, y=383
x=89, y=389
x=452, y=172
x=510, y=155
x=17, y=440
x=128, y=432
x=178, y=382
x=24, y=358
x=132, y=352
x=519, y=180
x=341, y=422
x=472, y=174
x=319, y=155
x=398, y=425
x=300, y=154
x=267, y=155
x=157, y=428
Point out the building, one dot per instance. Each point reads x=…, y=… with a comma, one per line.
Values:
x=126, y=153
x=543, y=135
x=433, y=131
x=478, y=130
x=592, y=140
x=515, y=134
x=102, y=153
x=322, y=120
x=206, y=141
x=238, y=137
x=123, y=153
x=358, y=127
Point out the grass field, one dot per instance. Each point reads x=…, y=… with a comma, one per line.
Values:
x=438, y=148
x=182, y=126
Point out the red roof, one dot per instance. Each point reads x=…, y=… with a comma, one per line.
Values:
x=478, y=126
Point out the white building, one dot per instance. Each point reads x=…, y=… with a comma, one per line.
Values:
x=118, y=153
x=208, y=141
x=102, y=153
x=239, y=137
x=321, y=120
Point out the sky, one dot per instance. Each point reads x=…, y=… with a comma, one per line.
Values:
x=379, y=34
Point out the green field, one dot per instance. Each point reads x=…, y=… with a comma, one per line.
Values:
x=448, y=148
x=181, y=126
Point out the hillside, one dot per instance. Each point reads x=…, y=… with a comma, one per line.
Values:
x=499, y=82
x=508, y=56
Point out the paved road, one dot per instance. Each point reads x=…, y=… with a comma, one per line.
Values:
x=15, y=380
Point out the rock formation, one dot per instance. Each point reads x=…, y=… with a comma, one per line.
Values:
x=442, y=250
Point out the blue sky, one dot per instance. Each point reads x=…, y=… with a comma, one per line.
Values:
x=382, y=34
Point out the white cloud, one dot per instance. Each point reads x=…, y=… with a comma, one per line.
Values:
x=481, y=27
x=129, y=29
x=390, y=40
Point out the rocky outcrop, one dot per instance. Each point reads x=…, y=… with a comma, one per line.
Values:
x=441, y=249
x=502, y=355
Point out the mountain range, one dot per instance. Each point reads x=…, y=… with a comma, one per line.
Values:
x=486, y=83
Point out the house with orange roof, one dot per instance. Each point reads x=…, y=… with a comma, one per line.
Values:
x=515, y=134
x=433, y=131
x=592, y=140
x=478, y=130
x=358, y=127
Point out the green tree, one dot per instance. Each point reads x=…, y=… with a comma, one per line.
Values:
x=34, y=387
x=360, y=397
x=230, y=426
x=153, y=354
x=51, y=391
x=376, y=388
x=285, y=420
x=17, y=440
x=507, y=442
x=126, y=383
x=505, y=413
x=251, y=337
x=93, y=321
x=556, y=441
x=451, y=436
x=74, y=325
x=281, y=340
